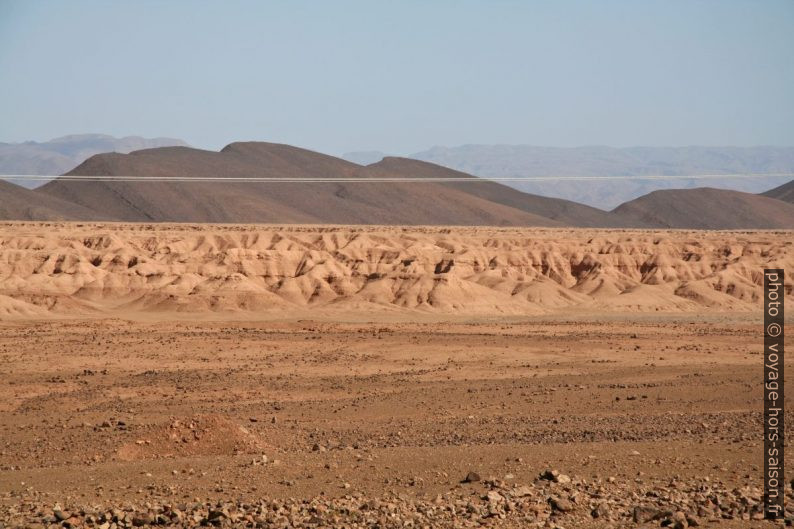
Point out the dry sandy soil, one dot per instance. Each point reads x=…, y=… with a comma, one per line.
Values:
x=344, y=377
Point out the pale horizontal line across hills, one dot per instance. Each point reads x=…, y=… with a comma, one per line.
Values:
x=139, y=178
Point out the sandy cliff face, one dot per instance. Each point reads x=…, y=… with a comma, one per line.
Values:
x=74, y=269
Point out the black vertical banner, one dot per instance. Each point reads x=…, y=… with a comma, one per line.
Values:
x=774, y=436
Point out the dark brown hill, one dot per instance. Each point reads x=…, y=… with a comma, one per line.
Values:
x=18, y=203
x=465, y=201
x=564, y=211
x=270, y=202
x=784, y=192
x=708, y=208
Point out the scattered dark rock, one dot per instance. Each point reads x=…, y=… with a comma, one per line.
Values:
x=677, y=504
x=602, y=510
x=561, y=504
x=644, y=514
x=692, y=520
x=142, y=519
x=555, y=476
x=471, y=477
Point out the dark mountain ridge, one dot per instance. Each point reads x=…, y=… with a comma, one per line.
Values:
x=463, y=200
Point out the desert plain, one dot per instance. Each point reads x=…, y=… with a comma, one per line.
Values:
x=329, y=376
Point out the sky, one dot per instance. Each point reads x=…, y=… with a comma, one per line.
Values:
x=401, y=77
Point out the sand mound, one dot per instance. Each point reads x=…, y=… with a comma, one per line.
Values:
x=208, y=435
x=10, y=307
x=97, y=269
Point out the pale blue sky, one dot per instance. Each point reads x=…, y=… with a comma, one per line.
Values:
x=401, y=76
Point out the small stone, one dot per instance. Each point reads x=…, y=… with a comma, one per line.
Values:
x=61, y=515
x=555, y=476
x=601, y=511
x=521, y=492
x=644, y=514
x=679, y=520
x=471, y=477
x=216, y=514
x=692, y=520
x=142, y=519
x=494, y=497
x=561, y=504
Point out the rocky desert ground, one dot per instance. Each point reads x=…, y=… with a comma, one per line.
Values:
x=306, y=376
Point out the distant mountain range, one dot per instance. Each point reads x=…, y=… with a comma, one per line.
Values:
x=57, y=156
x=423, y=198
x=527, y=161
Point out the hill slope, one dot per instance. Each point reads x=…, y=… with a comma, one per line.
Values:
x=784, y=192
x=270, y=202
x=564, y=211
x=18, y=203
x=708, y=208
